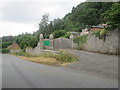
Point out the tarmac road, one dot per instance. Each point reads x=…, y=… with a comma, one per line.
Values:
x=18, y=73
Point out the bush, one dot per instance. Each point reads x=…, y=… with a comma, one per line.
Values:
x=97, y=33
x=23, y=54
x=103, y=32
x=80, y=40
x=100, y=33
x=67, y=35
x=24, y=44
x=6, y=44
x=62, y=56
x=5, y=50
x=59, y=33
x=66, y=57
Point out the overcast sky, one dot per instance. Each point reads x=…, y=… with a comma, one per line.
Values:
x=17, y=16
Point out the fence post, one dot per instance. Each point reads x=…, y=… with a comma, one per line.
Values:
x=51, y=40
x=41, y=41
x=71, y=38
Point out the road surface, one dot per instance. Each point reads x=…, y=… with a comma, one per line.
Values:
x=18, y=73
x=95, y=63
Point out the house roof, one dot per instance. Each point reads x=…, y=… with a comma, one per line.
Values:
x=97, y=26
x=13, y=46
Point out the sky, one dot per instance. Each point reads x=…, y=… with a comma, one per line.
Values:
x=20, y=16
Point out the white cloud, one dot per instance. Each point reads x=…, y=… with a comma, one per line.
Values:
x=12, y=28
x=19, y=16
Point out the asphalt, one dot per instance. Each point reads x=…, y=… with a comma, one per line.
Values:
x=18, y=73
x=97, y=64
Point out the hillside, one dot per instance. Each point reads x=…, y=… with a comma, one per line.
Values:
x=83, y=15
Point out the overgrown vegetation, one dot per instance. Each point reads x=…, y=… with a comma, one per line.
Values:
x=112, y=16
x=22, y=53
x=62, y=56
x=5, y=50
x=6, y=44
x=80, y=40
x=53, y=58
x=59, y=33
x=100, y=33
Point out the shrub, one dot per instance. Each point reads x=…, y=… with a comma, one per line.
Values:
x=80, y=40
x=5, y=50
x=103, y=32
x=62, y=56
x=6, y=44
x=100, y=33
x=97, y=33
x=23, y=54
x=66, y=57
x=24, y=44
x=59, y=33
x=67, y=35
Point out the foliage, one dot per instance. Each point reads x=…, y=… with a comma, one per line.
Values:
x=80, y=40
x=59, y=33
x=43, y=26
x=23, y=54
x=25, y=40
x=100, y=33
x=7, y=38
x=85, y=14
x=24, y=44
x=62, y=56
x=103, y=32
x=97, y=33
x=67, y=35
x=66, y=57
x=5, y=50
x=112, y=16
x=6, y=44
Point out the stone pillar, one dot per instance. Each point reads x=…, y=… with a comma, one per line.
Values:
x=41, y=41
x=51, y=41
x=71, y=38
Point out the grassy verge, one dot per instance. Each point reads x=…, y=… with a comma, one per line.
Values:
x=57, y=59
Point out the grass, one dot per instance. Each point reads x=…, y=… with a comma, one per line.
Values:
x=43, y=60
x=61, y=58
x=23, y=54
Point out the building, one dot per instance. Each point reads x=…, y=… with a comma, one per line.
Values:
x=84, y=31
x=99, y=27
x=14, y=48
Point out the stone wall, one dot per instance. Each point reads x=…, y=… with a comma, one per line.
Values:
x=59, y=43
x=62, y=43
x=109, y=46
x=35, y=51
x=15, y=50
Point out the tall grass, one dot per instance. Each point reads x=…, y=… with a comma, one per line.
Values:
x=63, y=56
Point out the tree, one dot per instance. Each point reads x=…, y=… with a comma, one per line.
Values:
x=112, y=16
x=6, y=44
x=24, y=44
x=58, y=24
x=59, y=33
x=43, y=26
x=33, y=42
x=7, y=38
